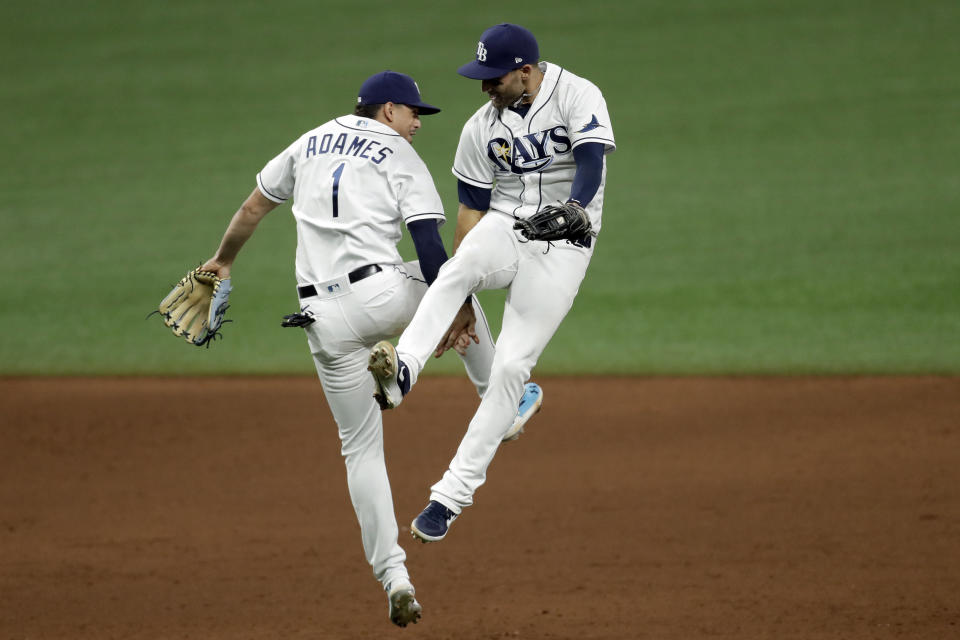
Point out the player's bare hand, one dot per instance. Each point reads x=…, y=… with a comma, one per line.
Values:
x=462, y=330
x=220, y=268
x=462, y=343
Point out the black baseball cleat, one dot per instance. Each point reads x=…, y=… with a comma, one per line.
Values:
x=433, y=522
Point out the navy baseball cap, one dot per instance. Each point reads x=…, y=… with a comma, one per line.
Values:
x=392, y=86
x=502, y=48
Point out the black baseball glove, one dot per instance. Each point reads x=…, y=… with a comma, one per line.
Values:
x=566, y=221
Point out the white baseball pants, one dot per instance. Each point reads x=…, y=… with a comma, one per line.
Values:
x=542, y=281
x=347, y=326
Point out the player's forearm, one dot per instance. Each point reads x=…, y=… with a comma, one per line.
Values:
x=242, y=226
x=586, y=181
x=467, y=218
x=429, y=247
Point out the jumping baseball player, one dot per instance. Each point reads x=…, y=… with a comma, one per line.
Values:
x=531, y=171
x=353, y=181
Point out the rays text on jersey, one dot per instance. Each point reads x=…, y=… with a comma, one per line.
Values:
x=532, y=152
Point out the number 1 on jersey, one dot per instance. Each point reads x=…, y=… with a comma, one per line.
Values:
x=336, y=188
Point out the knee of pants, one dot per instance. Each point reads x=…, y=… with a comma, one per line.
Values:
x=462, y=270
x=361, y=444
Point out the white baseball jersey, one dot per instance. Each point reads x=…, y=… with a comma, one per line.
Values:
x=352, y=180
x=528, y=161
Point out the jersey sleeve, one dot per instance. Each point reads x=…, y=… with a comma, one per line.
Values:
x=587, y=118
x=471, y=164
x=417, y=196
x=277, y=178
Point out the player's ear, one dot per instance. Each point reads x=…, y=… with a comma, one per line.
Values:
x=387, y=111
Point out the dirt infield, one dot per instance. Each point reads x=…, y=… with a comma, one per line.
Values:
x=632, y=508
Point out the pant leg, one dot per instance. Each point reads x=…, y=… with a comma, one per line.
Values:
x=486, y=259
x=479, y=357
x=349, y=392
x=478, y=361
x=541, y=294
x=340, y=339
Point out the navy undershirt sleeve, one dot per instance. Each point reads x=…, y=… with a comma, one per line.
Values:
x=429, y=246
x=474, y=197
x=589, y=159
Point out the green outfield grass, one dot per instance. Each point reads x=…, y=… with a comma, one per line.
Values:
x=785, y=197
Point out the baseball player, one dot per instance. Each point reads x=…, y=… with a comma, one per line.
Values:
x=541, y=138
x=353, y=181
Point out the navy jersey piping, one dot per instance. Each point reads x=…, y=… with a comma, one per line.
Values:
x=417, y=216
x=530, y=130
x=523, y=183
x=545, y=102
x=467, y=178
x=267, y=191
x=540, y=189
x=606, y=142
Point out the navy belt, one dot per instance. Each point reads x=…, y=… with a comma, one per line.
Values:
x=356, y=275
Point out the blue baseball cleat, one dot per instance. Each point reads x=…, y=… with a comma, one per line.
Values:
x=433, y=522
x=530, y=403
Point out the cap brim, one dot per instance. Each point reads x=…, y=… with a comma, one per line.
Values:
x=425, y=109
x=476, y=71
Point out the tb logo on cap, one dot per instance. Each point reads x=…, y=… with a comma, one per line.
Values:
x=481, y=52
